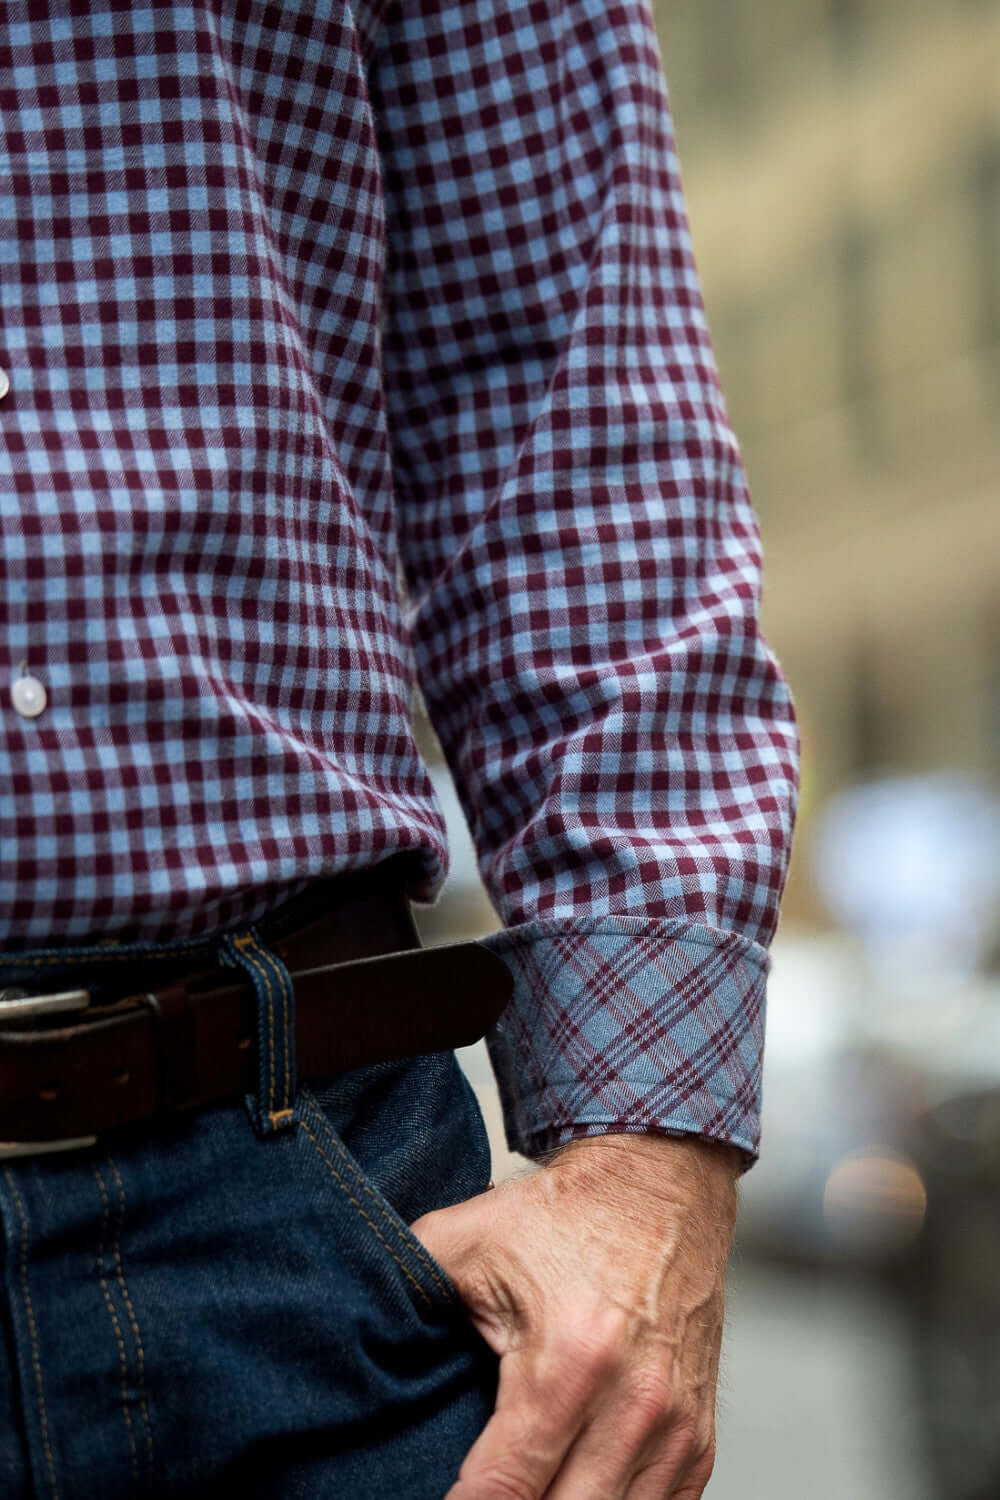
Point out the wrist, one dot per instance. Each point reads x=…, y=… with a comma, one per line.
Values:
x=672, y=1166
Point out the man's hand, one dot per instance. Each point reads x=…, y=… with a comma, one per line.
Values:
x=599, y=1282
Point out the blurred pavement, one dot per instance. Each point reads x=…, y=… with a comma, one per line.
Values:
x=814, y=1400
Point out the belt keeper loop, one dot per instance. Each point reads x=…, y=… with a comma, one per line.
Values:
x=272, y=1106
x=175, y=1050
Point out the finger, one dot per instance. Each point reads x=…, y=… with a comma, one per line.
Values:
x=692, y=1489
x=525, y=1442
x=622, y=1440
x=664, y=1479
x=637, y=1448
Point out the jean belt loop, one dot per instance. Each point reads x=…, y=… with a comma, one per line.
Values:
x=273, y=1106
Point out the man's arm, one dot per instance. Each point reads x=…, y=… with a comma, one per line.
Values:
x=583, y=566
x=582, y=562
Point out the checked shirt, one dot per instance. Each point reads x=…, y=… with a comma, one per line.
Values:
x=303, y=301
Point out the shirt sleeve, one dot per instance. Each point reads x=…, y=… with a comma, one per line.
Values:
x=582, y=562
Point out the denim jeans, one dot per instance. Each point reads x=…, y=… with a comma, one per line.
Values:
x=197, y=1304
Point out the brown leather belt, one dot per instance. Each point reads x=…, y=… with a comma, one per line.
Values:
x=156, y=1033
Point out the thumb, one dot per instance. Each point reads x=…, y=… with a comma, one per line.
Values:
x=464, y=1240
x=454, y=1235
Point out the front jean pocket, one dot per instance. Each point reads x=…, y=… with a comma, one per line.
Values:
x=389, y=1236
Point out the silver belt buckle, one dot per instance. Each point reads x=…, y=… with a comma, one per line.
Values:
x=17, y=1005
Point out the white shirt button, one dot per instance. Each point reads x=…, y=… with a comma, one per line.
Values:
x=4, y=383
x=28, y=696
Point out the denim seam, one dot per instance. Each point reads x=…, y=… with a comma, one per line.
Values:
x=281, y=972
x=242, y=942
x=275, y=969
x=351, y=1165
x=133, y=1322
x=116, y=1325
x=36, y=1359
x=361, y=1211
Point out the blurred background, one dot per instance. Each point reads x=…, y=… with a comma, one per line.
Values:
x=842, y=163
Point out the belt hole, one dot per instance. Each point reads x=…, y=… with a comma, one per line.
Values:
x=122, y=1076
x=48, y=1093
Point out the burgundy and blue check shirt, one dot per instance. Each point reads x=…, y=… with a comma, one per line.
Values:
x=298, y=300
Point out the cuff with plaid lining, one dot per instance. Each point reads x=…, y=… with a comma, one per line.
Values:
x=625, y=1025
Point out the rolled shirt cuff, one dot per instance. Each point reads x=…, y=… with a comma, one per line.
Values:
x=619, y=1024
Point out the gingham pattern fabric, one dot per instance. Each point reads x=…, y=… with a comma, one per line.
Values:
x=299, y=298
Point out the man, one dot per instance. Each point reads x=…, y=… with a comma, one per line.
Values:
x=296, y=297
